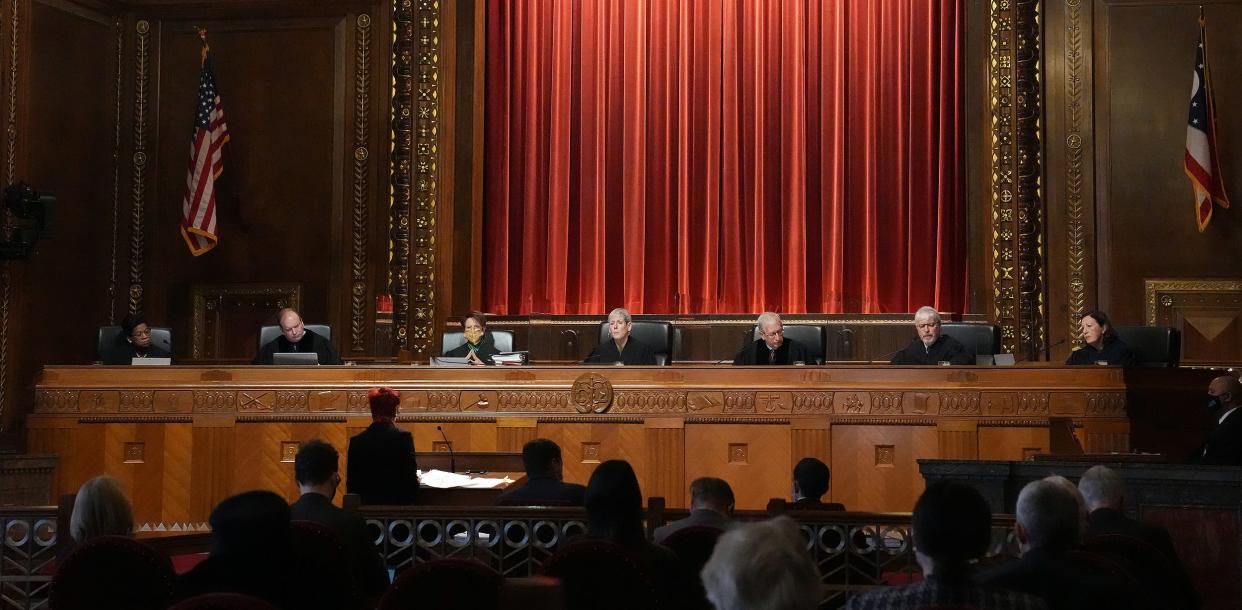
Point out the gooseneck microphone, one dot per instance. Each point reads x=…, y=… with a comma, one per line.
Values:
x=452, y=457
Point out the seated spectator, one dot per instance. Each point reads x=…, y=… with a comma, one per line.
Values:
x=318, y=475
x=252, y=552
x=544, y=470
x=711, y=505
x=762, y=566
x=1049, y=527
x=810, y=482
x=1104, y=493
x=952, y=527
x=101, y=509
x=614, y=505
x=382, y=468
x=250, y=547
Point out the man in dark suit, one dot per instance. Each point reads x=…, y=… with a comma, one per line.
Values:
x=1104, y=493
x=931, y=347
x=544, y=470
x=810, y=482
x=382, y=468
x=294, y=338
x=1049, y=526
x=1224, y=442
x=711, y=505
x=772, y=347
x=622, y=348
x=316, y=470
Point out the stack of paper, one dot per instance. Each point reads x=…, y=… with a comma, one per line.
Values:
x=510, y=358
x=445, y=480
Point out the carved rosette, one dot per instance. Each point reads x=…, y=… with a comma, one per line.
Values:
x=592, y=393
x=1016, y=198
x=362, y=107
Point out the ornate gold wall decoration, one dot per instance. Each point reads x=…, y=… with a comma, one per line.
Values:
x=412, y=231
x=362, y=102
x=10, y=173
x=1076, y=232
x=137, y=240
x=1160, y=293
x=118, y=26
x=1016, y=197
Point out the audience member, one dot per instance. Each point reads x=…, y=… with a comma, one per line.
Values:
x=952, y=527
x=614, y=505
x=101, y=509
x=251, y=551
x=811, y=479
x=318, y=475
x=762, y=566
x=1104, y=493
x=711, y=505
x=382, y=467
x=1049, y=526
x=1224, y=442
x=544, y=473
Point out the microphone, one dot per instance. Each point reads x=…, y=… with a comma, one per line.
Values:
x=452, y=457
x=886, y=357
x=1034, y=353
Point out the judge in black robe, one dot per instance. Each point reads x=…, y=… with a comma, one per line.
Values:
x=772, y=347
x=943, y=349
x=133, y=342
x=622, y=348
x=296, y=338
x=480, y=345
x=1101, y=344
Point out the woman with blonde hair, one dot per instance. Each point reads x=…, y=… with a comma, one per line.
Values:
x=101, y=509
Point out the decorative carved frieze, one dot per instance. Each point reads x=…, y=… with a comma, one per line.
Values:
x=1033, y=403
x=291, y=400
x=56, y=401
x=137, y=401
x=739, y=402
x=959, y=403
x=591, y=393
x=250, y=401
x=534, y=400
x=650, y=401
x=812, y=403
x=1105, y=404
x=214, y=401
x=886, y=403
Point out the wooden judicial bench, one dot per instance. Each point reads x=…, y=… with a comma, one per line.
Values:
x=182, y=438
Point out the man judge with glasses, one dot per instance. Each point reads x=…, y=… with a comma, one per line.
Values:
x=772, y=347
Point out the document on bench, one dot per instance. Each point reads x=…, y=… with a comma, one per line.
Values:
x=446, y=480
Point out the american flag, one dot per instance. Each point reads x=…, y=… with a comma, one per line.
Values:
x=198, y=222
x=1202, y=163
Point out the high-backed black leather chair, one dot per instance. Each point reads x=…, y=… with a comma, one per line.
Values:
x=984, y=339
x=1159, y=346
x=109, y=335
x=455, y=339
x=809, y=335
x=269, y=333
x=657, y=335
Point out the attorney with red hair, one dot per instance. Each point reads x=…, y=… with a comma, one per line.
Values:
x=382, y=469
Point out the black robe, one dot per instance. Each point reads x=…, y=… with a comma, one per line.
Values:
x=789, y=352
x=123, y=352
x=1115, y=352
x=945, y=349
x=636, y=352
x=485, y=351
x=310, y=342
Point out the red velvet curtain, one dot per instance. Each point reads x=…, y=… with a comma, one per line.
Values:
x=724, y=156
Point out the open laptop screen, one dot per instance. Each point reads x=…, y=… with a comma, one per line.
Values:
x=295, y=358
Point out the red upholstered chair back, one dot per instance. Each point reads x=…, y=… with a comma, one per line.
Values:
x=602, y=575
x=223, y=601
x=113, y=572
x=323, y=564
x=445, y=583
x=694, y=546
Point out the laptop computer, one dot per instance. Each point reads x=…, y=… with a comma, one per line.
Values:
x=151, y=361
x=449, y=361
x=302, y=358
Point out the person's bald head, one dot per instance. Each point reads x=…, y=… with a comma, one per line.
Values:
x=291, y=325
x=1228, y=389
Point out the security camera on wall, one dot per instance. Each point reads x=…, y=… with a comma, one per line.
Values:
x=32, y=220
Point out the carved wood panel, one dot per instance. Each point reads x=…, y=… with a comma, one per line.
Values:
x=226, y=319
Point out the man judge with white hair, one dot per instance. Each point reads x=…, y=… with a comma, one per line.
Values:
x=931, y=347
x=772, y=347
